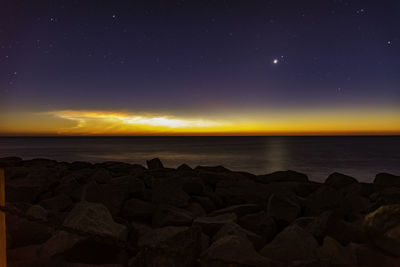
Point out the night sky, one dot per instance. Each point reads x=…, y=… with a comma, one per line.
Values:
x=199, y=67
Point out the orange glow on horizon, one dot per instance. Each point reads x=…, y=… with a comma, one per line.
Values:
x=110, y=123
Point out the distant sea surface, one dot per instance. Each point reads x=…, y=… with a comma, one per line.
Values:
x=360, y=157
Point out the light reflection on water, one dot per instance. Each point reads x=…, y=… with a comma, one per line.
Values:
x=361, y=157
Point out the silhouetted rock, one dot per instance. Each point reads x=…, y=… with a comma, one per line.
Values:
x=283, y=176
x=138, y=209
x=383, y=228
x=101, y=176
x=205, y=202
x=323, y=199
x=9, y=161
x=58, y=203
x=369, y=256
x=234, y=229
x=196, y=209
x=169, y=191
x=292, y=244
x=283, y=209
x=210, y=225
x=218, y=168
x=332, y=252
x=239, y=210
x=154, y=164
x=37, y=212
x=184, y=167
x=259, y=223
x=232, y=250
x=387, y=179
x=169, y=215
x=338, y=180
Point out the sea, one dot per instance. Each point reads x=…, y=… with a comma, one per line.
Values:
x=317, y=156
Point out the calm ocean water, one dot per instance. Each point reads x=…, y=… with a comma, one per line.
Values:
x=361, y=157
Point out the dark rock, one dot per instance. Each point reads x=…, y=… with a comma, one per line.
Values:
x=354, y=207
x=234, y=229
x=58, y=203
x=121, y=168
x=218, y=168
x=205, y=202
x=37, y=212
x=386, y=196
x=369, y=256
x=323, y=199
x=239, y=210
x=292, y=244
x=90, y=218
x=180, y=250
x=259, y=223
x=383, y=228
x=169, y=215
x=138, y=209
x=169, y=191
x=283, y=176
x=101, y=176
x=9, y=161
x=283, y=209
x=210, y=225
x=338, y=180
x=184, y=167
x=154, y=164
x=79, y=165
x=196, y=209
x=149, y=237
x=193, y=186
x=332, y=252
x=387, y=179
x=232, y=250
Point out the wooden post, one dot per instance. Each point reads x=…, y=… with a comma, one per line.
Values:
x=3, y=253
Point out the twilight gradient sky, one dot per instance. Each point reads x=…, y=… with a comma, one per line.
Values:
x=199, y=67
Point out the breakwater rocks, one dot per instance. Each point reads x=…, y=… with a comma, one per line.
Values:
x=117, y=214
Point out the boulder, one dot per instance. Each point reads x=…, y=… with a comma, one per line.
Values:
x=196, y=209
x=184, y=167
x=282, y=176
x=86, y=217
x=332, y=252
x=234, y=229
x=292, y=244
x=149, y=237
x=169, y=190
x=338, y=180
x=37, y=212
x=60, y=202
x=138, y=210
x=210, y=225
x=233, y=250
x=369, y=256
x=239, y=210
x=387, y=179
x=383, y=228
x=217, y=169
x=259, y=223
x=180, y=250
x=166, y=215
x=323, y=199
x=101, y=176
x=283, y=209
x=9, y=161
x=207, y=204
x=154, y=164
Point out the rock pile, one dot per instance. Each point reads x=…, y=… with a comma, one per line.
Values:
x=119, y=214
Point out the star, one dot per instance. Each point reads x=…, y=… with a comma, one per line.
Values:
x=275, y=61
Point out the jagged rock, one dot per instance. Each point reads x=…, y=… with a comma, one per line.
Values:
x=210, y=225
x=121, y=168
x=9, y=161
x=369, y=256
x=339, y=180
x=292, y=244
x=37, y=212
x=383, y=228
x=193, y=186
x=234, y=229
x=218, y=168
x=354, y=206
x=90, y=218
x=259, y=223
x=323, y=199
x=205, y=202
x=138, y=209
x=232, y=250
x=180, y=250
x=386, y=196
x=58, y=203
x=332, y=252
x=282, y=176
x=101, y=176
x=169, y=190
x=387, y=179
x=197, y=210
x=184, y=167
x=154, y=164
x=283, y=209
x=169, y=215
x=239, y=210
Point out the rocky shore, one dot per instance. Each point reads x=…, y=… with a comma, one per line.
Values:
x=117, y=214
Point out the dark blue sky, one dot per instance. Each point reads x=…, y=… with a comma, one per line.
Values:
x=199, y=57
